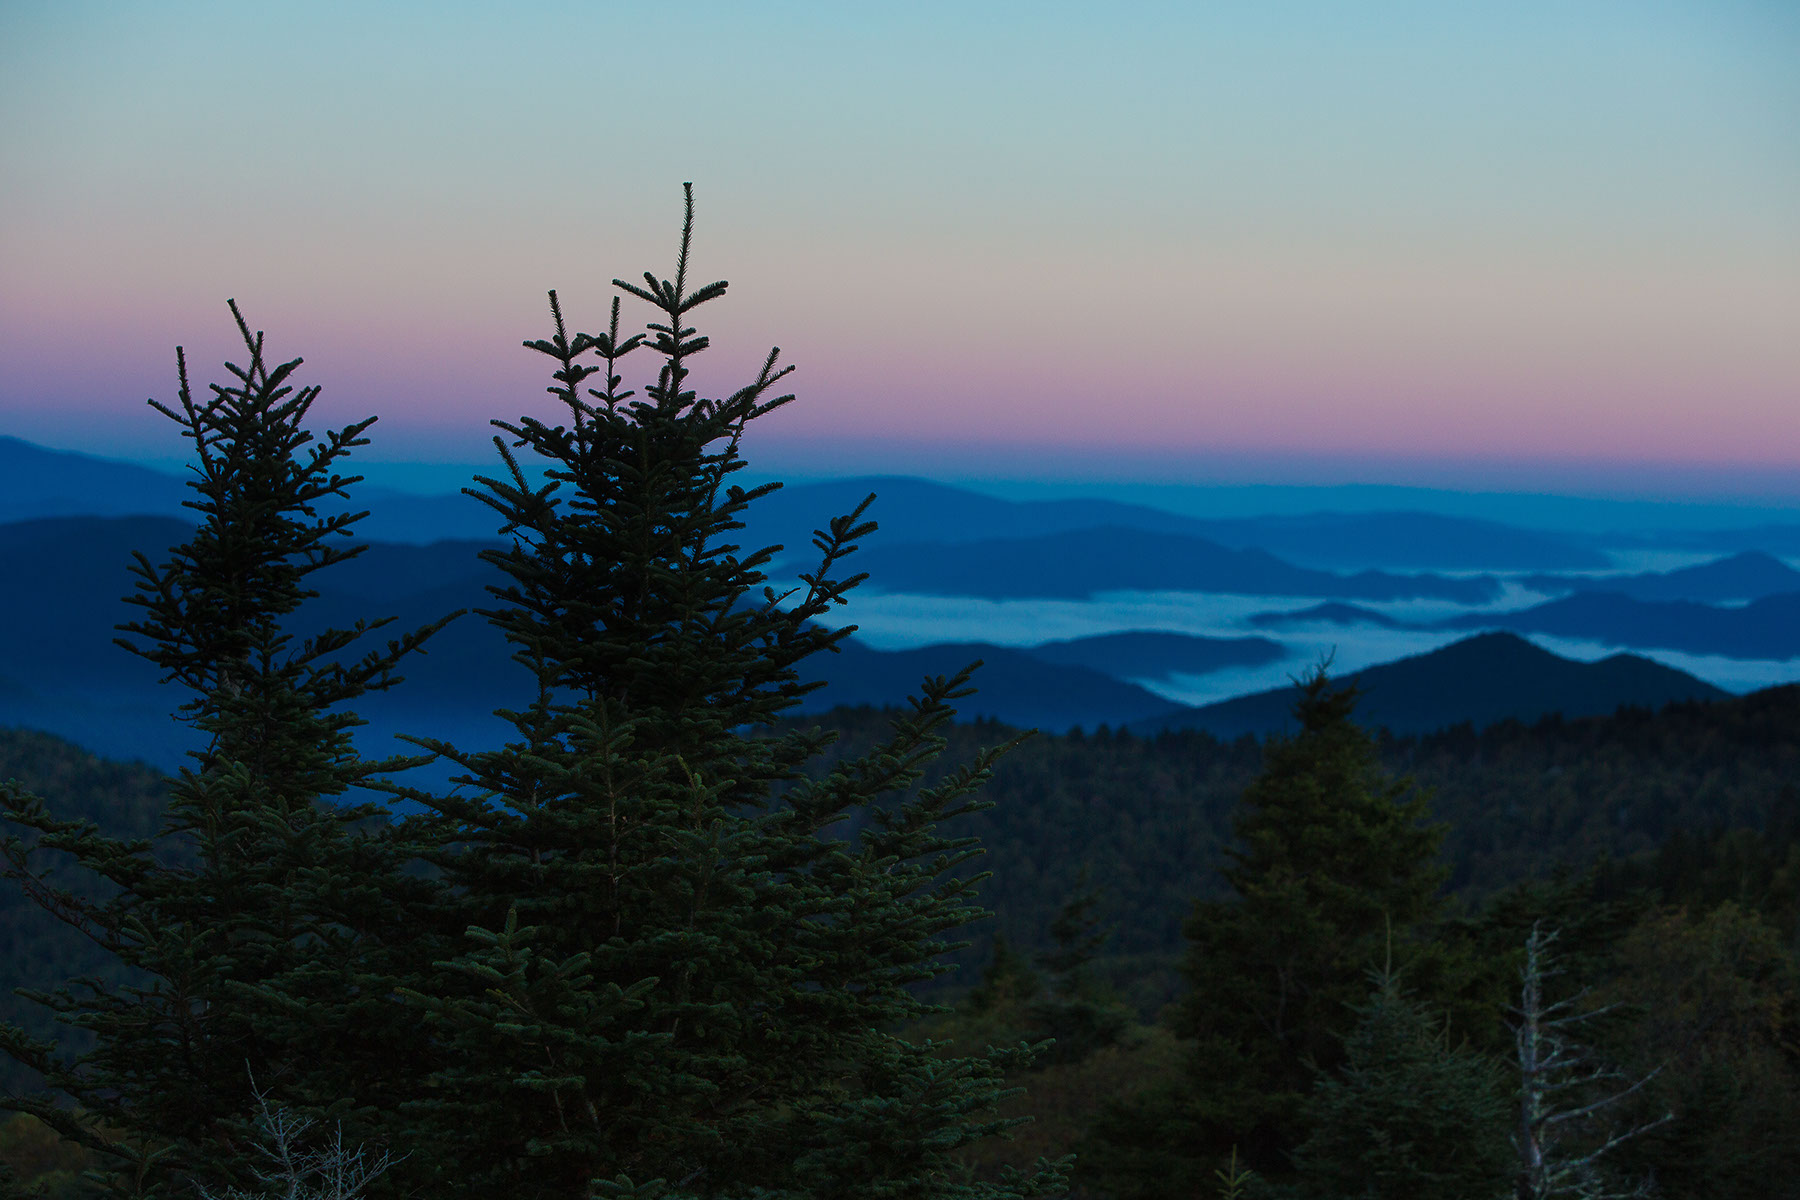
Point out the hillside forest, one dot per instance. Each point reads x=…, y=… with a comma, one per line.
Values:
x=676, y=936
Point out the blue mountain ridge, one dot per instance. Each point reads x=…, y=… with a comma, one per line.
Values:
x=1081, y=563
x=1765, y=628
x=1747, y=575
x=1481, y=680
x=61, y=600
x=59, y=604
x=36, y=482
x=39, y=482
x=919, y=511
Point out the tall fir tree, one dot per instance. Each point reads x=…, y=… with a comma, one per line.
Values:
x=267, y=925
x=1333, y=858
x=678, y=979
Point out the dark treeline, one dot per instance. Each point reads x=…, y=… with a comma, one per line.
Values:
x=1697, y=803
x=1664, y=846
x=1151, y=815
x=1712, y=786
x=1390, y=1042
x=128, y=800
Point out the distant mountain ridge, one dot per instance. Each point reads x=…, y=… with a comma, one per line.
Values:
x=1084, y=562
x=64, y=576
x=60, y=603
x=1413, y=540
x=60, y=600
x=39, y=482
x=915, y=510
x=1748, y=575
x=1056, y=685
x=36, y=482
x=1770, y=538
x=1766, y=628
x=1481, y=680
x=1013, y=685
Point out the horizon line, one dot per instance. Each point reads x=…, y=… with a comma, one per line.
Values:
x=1731, y=486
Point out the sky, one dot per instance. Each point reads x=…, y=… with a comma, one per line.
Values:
x=1525, y=245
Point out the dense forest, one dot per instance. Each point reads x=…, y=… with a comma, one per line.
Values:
x=1644, y=835
x=670, y=942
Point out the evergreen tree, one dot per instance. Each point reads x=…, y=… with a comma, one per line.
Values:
x=1332, y=859
x=263, y=927
x=1717, y=999
x=674, y=970
x=1079, y=1015
x=1008, y=983
x=1408, y=1116
x=1077, y=936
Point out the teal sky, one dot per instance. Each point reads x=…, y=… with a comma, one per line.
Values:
x=1523, y=244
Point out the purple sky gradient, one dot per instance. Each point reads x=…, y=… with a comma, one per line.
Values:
x=1397, y=242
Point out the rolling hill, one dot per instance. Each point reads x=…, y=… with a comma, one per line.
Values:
x=1480, y=680
x=1013, y=686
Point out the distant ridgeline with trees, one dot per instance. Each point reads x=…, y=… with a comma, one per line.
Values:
x=669, y=941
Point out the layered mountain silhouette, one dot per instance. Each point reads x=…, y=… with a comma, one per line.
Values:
x=1057, y=685
x=1782, y=539
x=1013, y=685
x=61, y=600
x=1481, y=680
x=1768, y=628
x=1746, y=576
x=59, y=603
x=917, y=511
x=1413, y=540
x=39, y=482
x=1084, y=562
